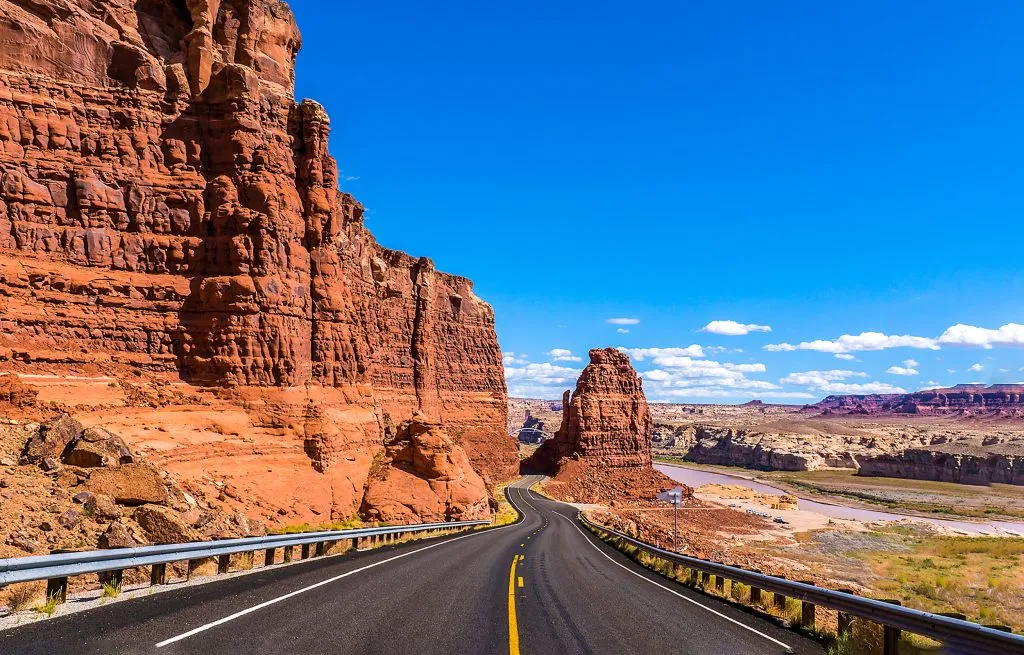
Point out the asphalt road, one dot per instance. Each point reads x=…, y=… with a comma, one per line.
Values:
x=543, y=585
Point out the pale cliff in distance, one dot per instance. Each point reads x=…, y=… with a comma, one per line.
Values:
x=178, y=265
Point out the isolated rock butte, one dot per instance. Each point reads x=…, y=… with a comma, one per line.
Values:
x=167, y=207
x=606, y=422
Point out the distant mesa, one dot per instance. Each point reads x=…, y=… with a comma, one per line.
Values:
x=965, y=399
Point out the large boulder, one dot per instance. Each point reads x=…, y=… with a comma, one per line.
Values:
x=162, y=525
x=120, y=534
x=425, y=476
x=51, y=439
x=98, y=447
x=131, y=484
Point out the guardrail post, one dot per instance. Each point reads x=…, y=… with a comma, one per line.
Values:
x=891, y=635
x=720, y=584
x=755, y=593
x=305, y=551
x=269, y=557
x=57, y=590
x=223, y=563
x=779, y=601
x=158, y=574
x=845, y=621
x=288, y=554
x=692, y=578
x=355, y=543
x=319, y=549
x=807, y=610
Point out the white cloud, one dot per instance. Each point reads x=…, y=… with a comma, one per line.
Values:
x=845, y=357
x=640, y=354
x=622, y=331
x=512, y=359
x=901, y=370
x=680, y=376
x=562, y=355
x=976, y=368
x=950, y=370
x=832, y=382
x=1011, y=334
x=624, y=321
x=734, y=329
x=910, y=363
x=539, y=380
x=848, y=343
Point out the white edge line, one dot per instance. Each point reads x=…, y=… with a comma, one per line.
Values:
x=274, y=601
x=789, y=649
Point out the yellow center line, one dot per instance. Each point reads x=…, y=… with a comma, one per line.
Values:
x=513, y=625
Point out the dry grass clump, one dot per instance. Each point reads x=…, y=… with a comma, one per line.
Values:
x=22, y=596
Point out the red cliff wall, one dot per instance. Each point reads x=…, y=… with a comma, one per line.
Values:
x=167, y=207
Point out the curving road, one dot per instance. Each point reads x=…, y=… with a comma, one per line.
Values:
x=543, y=585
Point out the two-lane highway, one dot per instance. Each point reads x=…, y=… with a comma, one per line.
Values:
x=543, y=585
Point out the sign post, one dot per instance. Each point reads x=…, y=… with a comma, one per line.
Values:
x=674, y=496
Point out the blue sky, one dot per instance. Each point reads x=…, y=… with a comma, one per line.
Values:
x=825, y=169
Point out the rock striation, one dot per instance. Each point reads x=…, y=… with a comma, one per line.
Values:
x=168, y=208
x=606, y=421
x=934, y=464
x=963, y=399
x=602, y=448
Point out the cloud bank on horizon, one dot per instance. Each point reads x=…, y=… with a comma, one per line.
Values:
x=702, y=373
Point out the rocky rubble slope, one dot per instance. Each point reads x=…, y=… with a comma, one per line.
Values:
x=65, y=486
x=171, y=223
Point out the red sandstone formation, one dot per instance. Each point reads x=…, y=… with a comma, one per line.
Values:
x=604, y=440
x=425, y=474
x=168, y=209
x=606, y=421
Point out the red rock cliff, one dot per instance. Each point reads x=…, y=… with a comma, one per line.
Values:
x=167, y=206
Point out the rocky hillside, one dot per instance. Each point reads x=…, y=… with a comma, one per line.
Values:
x=171, y=226
x=69, y=486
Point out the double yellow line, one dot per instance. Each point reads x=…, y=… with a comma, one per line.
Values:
x=513, y=625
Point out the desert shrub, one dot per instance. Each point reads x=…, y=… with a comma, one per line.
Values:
x=21, y=596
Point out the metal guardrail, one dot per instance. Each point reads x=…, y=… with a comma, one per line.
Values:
x=958, y=637
x=56, y=568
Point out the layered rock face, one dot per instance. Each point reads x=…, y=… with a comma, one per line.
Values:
x=757, y=450
x=606, y=422
x=167, y=208
x=963, y=399
x=602, y=449
x=929, y=464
